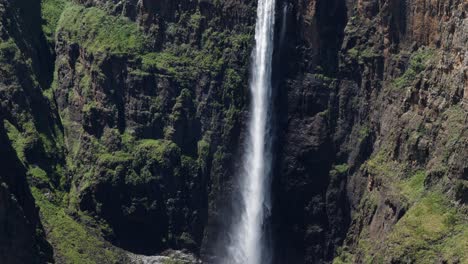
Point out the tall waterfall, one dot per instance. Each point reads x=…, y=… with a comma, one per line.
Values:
x=248, y=243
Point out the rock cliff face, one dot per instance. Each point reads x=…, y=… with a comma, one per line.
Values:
x=152, y=115
x=23, y=69
x=375, y=128
x=123, y=121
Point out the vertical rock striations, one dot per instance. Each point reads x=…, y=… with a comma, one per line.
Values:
x=152, y=97
x=375, y=132
x=25, y=131
x=124, y=120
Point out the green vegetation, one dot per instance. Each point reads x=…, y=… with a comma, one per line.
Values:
x=413, y=187
x=360, y=55
x=87, y=159
x=163, y=60
x=455, y=124
x=395, y=177
x=8, y=49
x=139, y=161
x=9, y=53
x=51, y=11
x=110, y=160
x=189, y=167
x=232, y=80
x=431, y=229
x=22, y=141
x=381, y=166
x=184, y=63
x=323, y=77
x=183, y=107
x=339, y=169
x=368, y=54
x=353, y=53
x=174, y=261
x=417, y=63
x=343, y=256
x=73, y=243
x=39, y=174
x=203, y=152
x=161, y=151
x=342, y=168
x=363, y=133
x=98, y=31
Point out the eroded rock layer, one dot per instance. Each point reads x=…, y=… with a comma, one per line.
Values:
x=123, y=123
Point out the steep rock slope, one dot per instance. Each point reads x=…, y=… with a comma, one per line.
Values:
x=151, y=105
x=125, y=119
x=375, y=129
x=23, y=133
x=150, y=98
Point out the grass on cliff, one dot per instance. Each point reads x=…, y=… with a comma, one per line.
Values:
x=162, y=151
x=187, y=63
x=98, y=31
x=137, y=159
x=51, y=11
x=413, y=188
x=73, y=243
x=432, y=228
x=19, y=140
x=9, y=56
x=417, y=63
x=362, y=55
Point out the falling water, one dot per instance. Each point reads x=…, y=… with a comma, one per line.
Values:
x=284, y=21
x=248, y=243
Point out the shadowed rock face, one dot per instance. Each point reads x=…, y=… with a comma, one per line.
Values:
x=131, y=116
x=173, y=108
x=22, y=238
x=347, y=103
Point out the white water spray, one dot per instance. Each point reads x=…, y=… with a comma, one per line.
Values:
x=248, y=245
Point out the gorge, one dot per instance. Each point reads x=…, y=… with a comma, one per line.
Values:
x=233, y=131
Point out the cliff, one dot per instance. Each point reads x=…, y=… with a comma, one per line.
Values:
x=122, y=124
x=375, y=127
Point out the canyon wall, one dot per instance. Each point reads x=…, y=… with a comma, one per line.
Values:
x=123, y=124
x=374, y=123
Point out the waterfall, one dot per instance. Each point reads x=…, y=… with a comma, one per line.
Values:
x=248, y=245
x=284, y=22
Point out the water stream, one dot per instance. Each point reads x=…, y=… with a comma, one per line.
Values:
x=248, y=244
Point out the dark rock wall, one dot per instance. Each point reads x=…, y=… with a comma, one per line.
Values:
x=134, y=111
x=308, y=220
x=175, y=125
x=22, y=236
x=25, y=65
x=344, y=102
